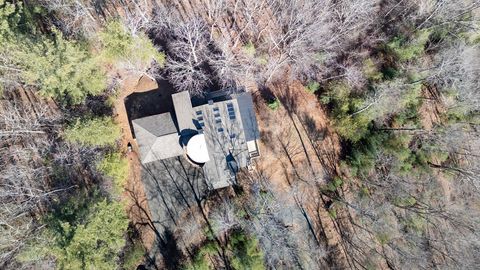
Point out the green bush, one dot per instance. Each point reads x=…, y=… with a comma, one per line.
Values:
x=119, y=45
x=407, y=201
x=133, y=256
x=352, y=128
x=63, y=70
x=249, y=49
x=383, y=238
x=58, y=68
x=336, y=183
x=82, y=235
x=200, y=261
x=273, y=104
x=344, y=105
x=415, y=223
x=371, y=71
x=363, y=153
x=313, y=87
x=115, y=166
x=93, y=132
x=262, y=59
x=332, y=212
x=406, y=50
x=243, y=252
x=246, y=253
x=390, y=73
x=94, y=243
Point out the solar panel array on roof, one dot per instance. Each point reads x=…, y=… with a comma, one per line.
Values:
x=218, y=119
x=231, y=111
x=227, y=122
x=200, y=119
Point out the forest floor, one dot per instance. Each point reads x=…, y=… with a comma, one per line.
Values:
x=298, y=143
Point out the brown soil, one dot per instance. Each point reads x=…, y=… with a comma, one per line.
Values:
x=137, y=205
x=430, y=115
x=431, y=108
x=297, y=144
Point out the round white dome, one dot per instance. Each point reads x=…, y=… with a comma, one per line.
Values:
x=197, y=149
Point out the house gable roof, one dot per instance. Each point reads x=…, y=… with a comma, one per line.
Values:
x=157, y=137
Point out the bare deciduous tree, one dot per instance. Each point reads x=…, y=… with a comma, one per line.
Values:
x=73, y=16
x=458, y=70
x=187, y=62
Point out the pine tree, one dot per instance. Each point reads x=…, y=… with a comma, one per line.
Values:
x=93, y=132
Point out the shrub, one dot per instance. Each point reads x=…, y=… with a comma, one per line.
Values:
x=58, y=68
x=363, y=153
x=273, y=104
x=62, y=69
x=200, y=261
x=408, y=201
x=133, y=256
x=371, y=71
x=415, y=223
x=120, y=46
x=336, y=183
x=313, y=87
x=332, y=213
x=383, y=238
x=246, y=253
x=262, y=59
x=243, y=252
x=344, y=104
x=82, y=235
x=406, y=50
x=352, y=128
x=116, y=167
x=249, y=49
x=94, y=243
x=93, y=132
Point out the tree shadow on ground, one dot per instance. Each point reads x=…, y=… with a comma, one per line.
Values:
x=266, y=94
x=172, y=255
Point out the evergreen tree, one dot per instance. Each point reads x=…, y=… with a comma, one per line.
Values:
x=93, y=132
x=116, y=167
x=58, y=68
x=133, y=51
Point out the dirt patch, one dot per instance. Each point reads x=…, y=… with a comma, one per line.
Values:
x=137, y=205
x=130, y=85
x=300, y=153
x=431, y=110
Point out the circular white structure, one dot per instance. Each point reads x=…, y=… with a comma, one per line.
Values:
x=197, y=149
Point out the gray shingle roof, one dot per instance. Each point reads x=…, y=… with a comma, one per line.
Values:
x=183, y=110
x=157, y=137
x=247, y=114
x=157, y=125
x=228, y=123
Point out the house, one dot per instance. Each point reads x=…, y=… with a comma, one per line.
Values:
x=217, y=133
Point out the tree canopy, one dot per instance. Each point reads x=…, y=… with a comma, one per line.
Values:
x=61, y=69
x=82, y=235
x=133, y=51
x=101, y=131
